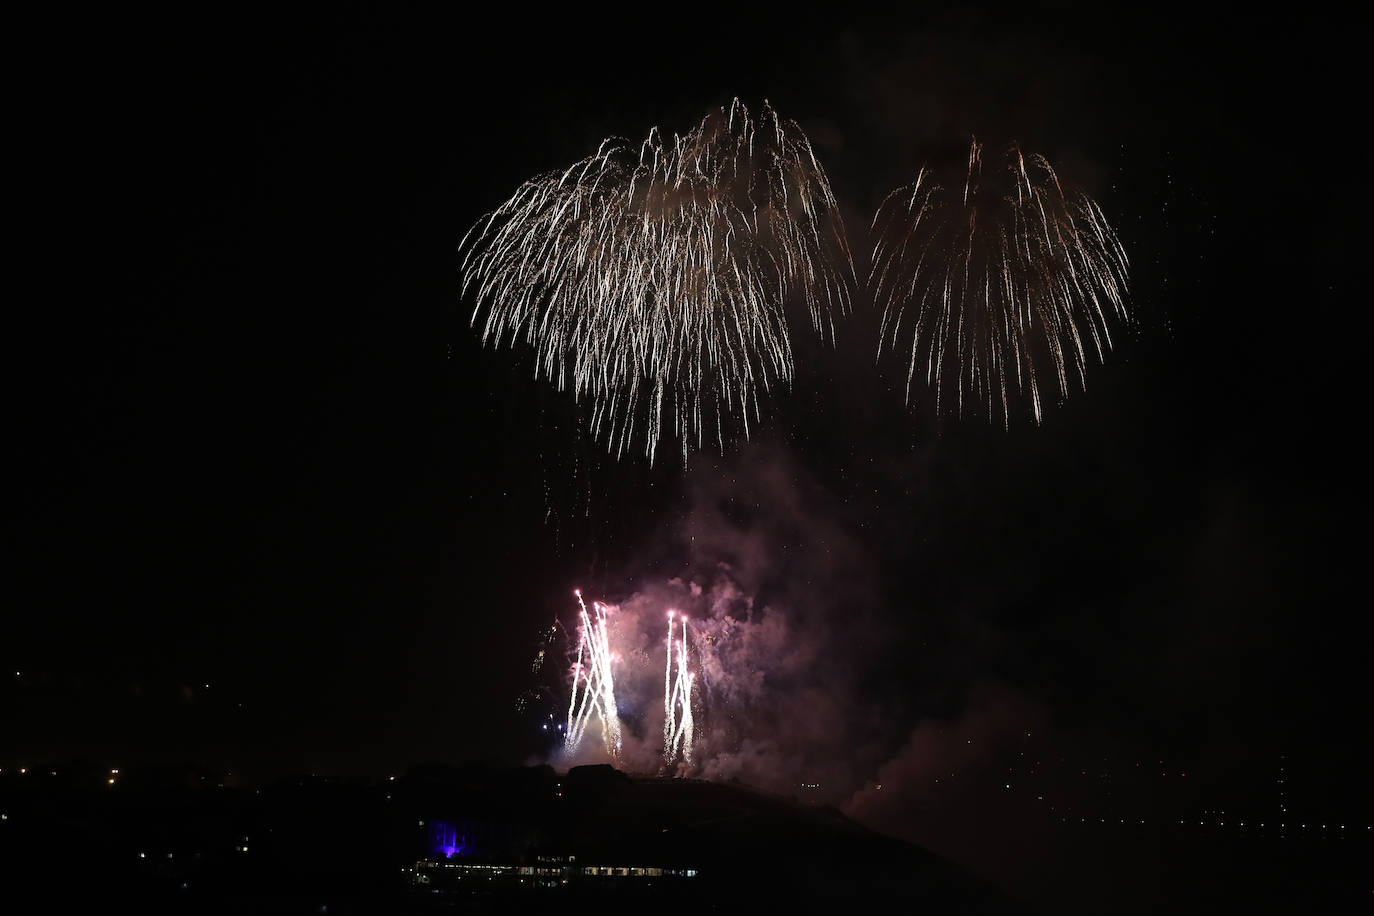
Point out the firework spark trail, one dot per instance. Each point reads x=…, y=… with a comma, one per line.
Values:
x=598, y=686
x=686, y=730
x=610, y=720
x=678, y=735
x=598, y=695
x=654, y=283
x=998, y=275
x=668, y=724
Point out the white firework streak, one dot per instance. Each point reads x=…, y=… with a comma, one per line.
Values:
x=677, y=733
x=999, y=285
x=652, y=281
x=596, y=682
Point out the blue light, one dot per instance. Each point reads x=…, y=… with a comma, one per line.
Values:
x=443, y=840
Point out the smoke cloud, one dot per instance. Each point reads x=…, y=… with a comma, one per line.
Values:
x=793, y=656
x=781, y=601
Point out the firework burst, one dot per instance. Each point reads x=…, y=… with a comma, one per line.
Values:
x=653, y=282
x=597, y=683
x=996, y=282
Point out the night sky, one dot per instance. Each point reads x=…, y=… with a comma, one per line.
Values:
x=257, y=445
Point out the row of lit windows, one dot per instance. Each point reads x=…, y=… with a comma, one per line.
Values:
x=1106, y=820
x=619, y=871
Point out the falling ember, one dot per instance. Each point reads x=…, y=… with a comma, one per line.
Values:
x=594, y=683
x=998, y=281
